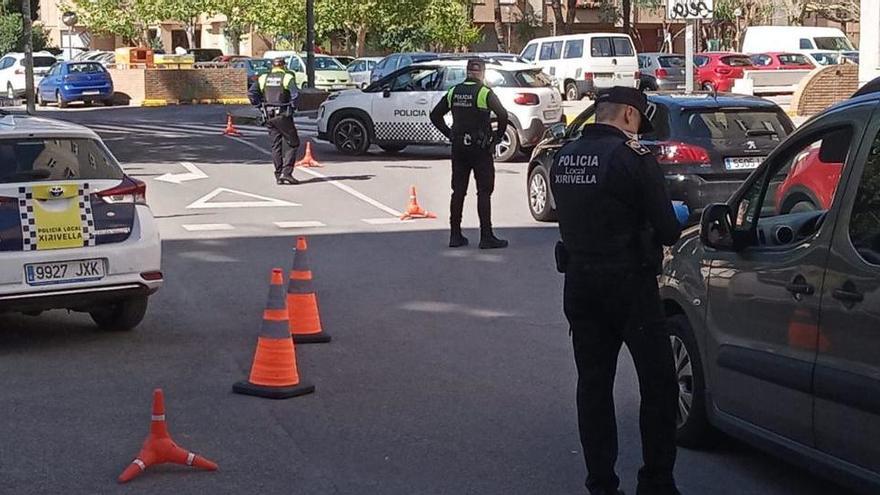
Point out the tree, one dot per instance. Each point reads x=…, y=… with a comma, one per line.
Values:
x=130, y=19
x=186, y=12
x=280, y=22
x=499, y=27
x=239, y=15
x=568, y=19
x=11, y=27
x=353, y=17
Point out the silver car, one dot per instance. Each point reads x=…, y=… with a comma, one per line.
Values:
x=360, y=70
x=661, y=71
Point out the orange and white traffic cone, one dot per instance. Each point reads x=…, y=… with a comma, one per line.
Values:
x=274, y=374
x=302, y=302
x=230, y=127
x=308, y=160
x=413, y=210
x=159, y=448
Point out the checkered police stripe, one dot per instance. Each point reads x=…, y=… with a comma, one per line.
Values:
x=28, y=222
x=422, y=132
x=85, y=211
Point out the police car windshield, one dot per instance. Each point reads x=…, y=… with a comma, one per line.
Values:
x=38, y=159
x=327, y=63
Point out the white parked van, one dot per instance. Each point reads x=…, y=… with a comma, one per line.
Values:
x=584, y=63
x=801, y=39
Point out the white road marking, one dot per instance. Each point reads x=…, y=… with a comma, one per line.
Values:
x=194, y=174
x=299, y=225
x=357, y=194
x=264, y=201
x=205, y=227
x=384, y=221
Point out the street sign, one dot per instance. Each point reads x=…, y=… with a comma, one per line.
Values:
x=680, y=10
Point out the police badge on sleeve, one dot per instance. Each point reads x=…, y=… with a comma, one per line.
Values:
x=636, y=146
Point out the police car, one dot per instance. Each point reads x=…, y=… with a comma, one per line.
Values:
x=393, y=112
x=75, y=231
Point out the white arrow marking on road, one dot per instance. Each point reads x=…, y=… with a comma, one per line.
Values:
x=205, y=227
x=194, y=174
x=299, y=225
x=264, y=202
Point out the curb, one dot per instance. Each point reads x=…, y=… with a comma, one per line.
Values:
x=220, y=101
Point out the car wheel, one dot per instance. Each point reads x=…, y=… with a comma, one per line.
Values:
x=121, y=316
x=539, y=195
x=10, y=91
x=571, y=92
x=40, y=101
x=509, y=145
x=693, y=429
x=392, y=148
x=709, y=86
x=60, y=100
x=350, y=136
x=802, y=206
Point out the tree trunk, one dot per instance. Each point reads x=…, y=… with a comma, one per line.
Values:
x=361, y=43
x=570, y=11
x=190, y=30
x=626, y=8
x=499, y=27
x=234, y=39
x=559, y=21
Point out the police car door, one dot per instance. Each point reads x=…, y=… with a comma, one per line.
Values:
x=401, y=112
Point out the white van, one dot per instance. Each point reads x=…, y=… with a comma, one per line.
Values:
x=800, y=39
x=583, y=63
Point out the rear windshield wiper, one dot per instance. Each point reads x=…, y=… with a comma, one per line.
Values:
x=761, y=132
x=26, y=174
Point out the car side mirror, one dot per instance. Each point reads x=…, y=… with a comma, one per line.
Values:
x=557, y=130
x=716, y=230
x=386, y=92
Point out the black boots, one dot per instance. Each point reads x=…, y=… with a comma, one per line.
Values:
x=457, y=240
x=286, y=179
x=489, y=241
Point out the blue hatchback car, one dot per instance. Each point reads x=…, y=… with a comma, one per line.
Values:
x=76, y=81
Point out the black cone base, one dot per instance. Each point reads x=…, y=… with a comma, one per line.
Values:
x=248, y=388
x=311, y=338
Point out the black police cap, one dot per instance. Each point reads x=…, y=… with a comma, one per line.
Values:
x=628, y=96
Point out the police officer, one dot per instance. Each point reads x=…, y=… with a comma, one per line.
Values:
x=473, y=142
x=275, y=93
x=614, y=215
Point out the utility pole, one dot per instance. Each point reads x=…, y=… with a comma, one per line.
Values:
x=310, y=42
x=27, y=32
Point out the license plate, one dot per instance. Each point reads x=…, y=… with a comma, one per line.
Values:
x=551, y=114
x=91, y=92
x=744, y=163
x=64, y=272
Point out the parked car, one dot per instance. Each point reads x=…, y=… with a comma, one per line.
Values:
x=66, y=82
x=780, y=61
x=360, y=70
x=774, y=313
x=204, y=54
x=75, y=230
x=330, y=75
x=716, y=71
x=12, y=71
x=661, y=72
x=496, y=56
x=344, y=59
x=397, y=61
x=253, y=66
x=707, y=146
x=762, y=39
x=810, y=184
x=584, y=63
x=394, y=112
x=229, y=58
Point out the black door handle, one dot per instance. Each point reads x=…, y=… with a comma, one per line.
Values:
x=799, y=286
x=848, y=296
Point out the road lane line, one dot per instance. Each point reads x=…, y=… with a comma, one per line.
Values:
x=299, y=225
x=384, y=221
x=357, y=194
x=206, y=227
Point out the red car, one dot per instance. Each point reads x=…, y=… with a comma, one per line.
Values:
x=810, y=184
x=717, y=70
x=781, y=61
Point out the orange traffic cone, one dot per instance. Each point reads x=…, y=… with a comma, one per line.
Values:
x=159, y=448
x=230, y=127
x=302, y=302
x=274, y=374
x=413, y=210
x=308, y=160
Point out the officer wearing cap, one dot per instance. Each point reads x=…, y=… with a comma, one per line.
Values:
x=275, y=94
x=614, y=215
x=473, y=143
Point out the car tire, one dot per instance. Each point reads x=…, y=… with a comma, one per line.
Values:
x=40, y=101
x=507, y=149
x=693, y=428
x=392, y=148
x=351, y=136
x=539, y=195
x=707, y=86
x=802, y=206
x=121, y=316
x=60, y=100
x=571, y=92
x=10, y=91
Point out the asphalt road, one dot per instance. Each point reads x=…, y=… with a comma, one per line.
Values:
x=450, y=371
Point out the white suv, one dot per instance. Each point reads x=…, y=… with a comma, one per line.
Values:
x=75, y=231
x=394, y=112
x=12, y=71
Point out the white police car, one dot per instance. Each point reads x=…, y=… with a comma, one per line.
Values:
x=75, y=231
x=394, y=112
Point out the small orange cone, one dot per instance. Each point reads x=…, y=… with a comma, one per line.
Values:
x=413, y=210
x=302, y=302
x=159, y=448
x=308, y=160
x=274, y=374
x=230, y=127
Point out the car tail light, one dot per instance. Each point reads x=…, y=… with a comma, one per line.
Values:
x=588, y=76
x=151, y=276
x=129, y=191
x=722, y=71
x=661, y=73
x=526, y=99
x=676, y=153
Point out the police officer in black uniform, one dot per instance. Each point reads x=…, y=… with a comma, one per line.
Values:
x=614, y=215
x=275, y=94
x=473, y=142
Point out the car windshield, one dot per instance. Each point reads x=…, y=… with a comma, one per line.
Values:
x=671, y=61
x=793, y=59
x=41, y=61
x=833, y=43
x=85, y=68
x=261, y=63
x=737, y=61
x=327, y=63
x=734, y=124
x=39, y=159
x=826, y=58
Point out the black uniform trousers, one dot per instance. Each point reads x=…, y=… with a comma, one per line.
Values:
x=282, y=131
x=605, y=309
x=467, y=159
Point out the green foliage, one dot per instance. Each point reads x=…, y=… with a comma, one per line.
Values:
x=129, y=19
x=11, y=27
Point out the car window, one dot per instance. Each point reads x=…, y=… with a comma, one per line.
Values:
x=530, y=52
x=574, y=49
x=671, y=61
x=327, y=63
x=864, y=223
x=826, y=58
x=601, y=47
x=494, y=78
x=5, y=63
x=381, y=64
x=53, y=71
x=700, y=60
x=295, y=65
x=417, y=79
x=357, y=66
x=551, y=50
x=370, y=64
x=736, y=60
x=806, y=44
x=761, y=60
x=623, y=47
x=836, y=43
x=44, y=159
x=405, y=61
x=453, y=76
x=735, y=124
x=85, y=68
x=793, y=59
x=643, y=62
x=41, y=61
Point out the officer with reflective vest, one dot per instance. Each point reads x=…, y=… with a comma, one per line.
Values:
x=614, y=216
x=275, y=94
x=473, y=143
